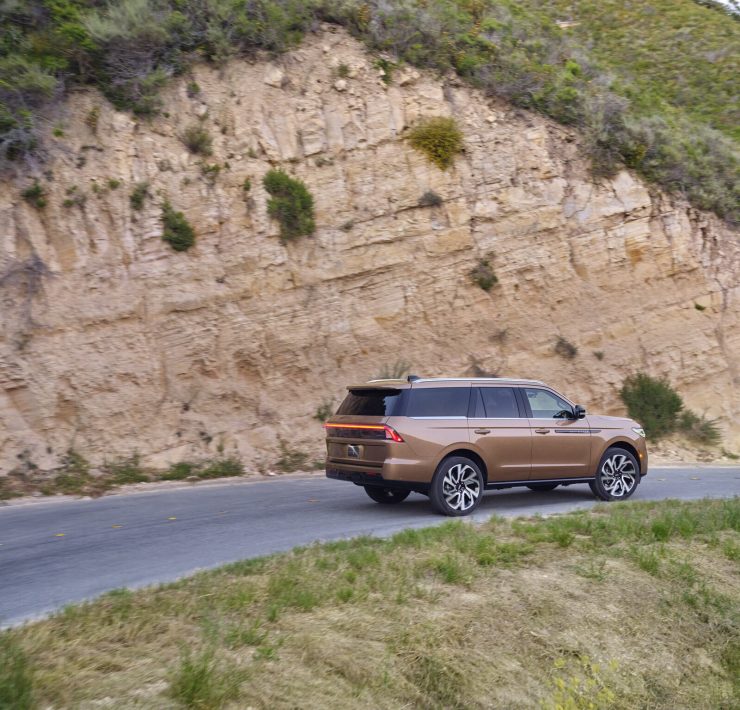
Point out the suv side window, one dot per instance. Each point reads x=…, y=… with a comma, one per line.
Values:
x=499, y=402
x=545, y=405
x=438, y=402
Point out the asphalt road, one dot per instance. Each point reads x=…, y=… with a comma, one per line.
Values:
x=56, y=552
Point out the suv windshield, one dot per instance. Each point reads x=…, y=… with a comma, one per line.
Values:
x=371, y=402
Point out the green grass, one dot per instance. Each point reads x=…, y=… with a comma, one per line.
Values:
x=457, y=615
x=16, y=675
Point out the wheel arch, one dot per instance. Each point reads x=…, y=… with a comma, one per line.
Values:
x=627, y=446
x=468, y=453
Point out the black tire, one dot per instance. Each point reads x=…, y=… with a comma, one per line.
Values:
x=457, y=487
x=542, y=486
x=617, y=476
x=386, y=496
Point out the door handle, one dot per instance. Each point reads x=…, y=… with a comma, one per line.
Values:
x=482, y=431
x=542, y=431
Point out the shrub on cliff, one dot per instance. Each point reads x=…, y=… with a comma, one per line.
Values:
x=177, y=230
x=652, y=402
x=660, y=410
x=290, y=203
x=438, y=138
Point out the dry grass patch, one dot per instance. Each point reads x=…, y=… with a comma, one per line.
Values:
x=556, y=612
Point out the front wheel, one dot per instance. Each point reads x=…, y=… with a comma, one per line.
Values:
x=617, y=476
x=457, y=486
x=386, y=496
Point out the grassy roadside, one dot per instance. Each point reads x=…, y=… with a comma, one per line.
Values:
x=627, y=606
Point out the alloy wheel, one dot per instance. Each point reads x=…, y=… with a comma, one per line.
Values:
x=461, y=487
x=618, y=475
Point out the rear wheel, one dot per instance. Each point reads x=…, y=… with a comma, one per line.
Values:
x=542, y=486
x=386, y=495
x=457, y=486
x=617, y=476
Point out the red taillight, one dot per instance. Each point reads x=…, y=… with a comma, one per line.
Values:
x=390, y=433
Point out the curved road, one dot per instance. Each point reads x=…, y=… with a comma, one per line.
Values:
x=56, y=552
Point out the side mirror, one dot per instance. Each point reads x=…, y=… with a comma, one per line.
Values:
x=579, y=411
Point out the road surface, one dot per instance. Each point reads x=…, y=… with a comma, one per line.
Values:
x=56, y=552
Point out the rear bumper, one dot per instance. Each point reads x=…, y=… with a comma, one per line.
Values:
x=372, y=478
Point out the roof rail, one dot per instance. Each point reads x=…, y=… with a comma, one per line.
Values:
x=413, y=378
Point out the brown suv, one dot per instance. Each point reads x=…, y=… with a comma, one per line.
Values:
x=451, y=438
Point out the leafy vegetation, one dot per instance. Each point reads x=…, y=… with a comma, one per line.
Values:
x=430, y=199
x=482, y=275
x=660, y=410
x=35, y=195
x=651, y=85
x=565, y=348
x=341, y=620
x=138, y=195
x=438, y=138
x=198, y=140
x=177, y=230
x=290, y=203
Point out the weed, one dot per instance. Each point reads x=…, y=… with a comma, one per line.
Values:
x=200, y=680
x=324, y=410
x=92, y=118
x=482, y=275
x=222, y=468
x=58, y=132
x=192, y=89
x=35, y=195
x=177, y=231
x=291, y=459
x=599, y=354
x=699, y=307
x=386, y=68
x=290, y=203
x=249, y=635
x=138, y=195
x=113, y=184
x=730, y=455
x=698, y=428
x=127, y=471
x=430, y=199
x=565, y=349
x=438, y=138
x=16, y=675
x=210, y=171
x=197, y=139
x=75, y=198
x=343, y=71
x=247, y=184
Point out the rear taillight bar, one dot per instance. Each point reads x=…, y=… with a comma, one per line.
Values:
x=390, y=432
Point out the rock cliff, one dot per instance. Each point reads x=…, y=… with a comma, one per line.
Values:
x=112, y=343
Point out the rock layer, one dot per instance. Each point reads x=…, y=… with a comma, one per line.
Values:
x=113, y=344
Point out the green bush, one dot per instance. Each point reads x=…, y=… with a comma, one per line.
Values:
x=430, y=199
x=482, y=275
x=138, y=195
x=653, y=403
x=197, y=139
x=35, y=195
x=438, y=138
x=290, y=203
x=177, y=230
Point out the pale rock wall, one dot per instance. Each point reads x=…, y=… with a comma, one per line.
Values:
x=111, y=343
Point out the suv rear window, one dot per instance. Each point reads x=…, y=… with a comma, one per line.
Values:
x=371, y=402
x=438, y=402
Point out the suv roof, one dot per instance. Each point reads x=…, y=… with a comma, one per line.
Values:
x=415, y=381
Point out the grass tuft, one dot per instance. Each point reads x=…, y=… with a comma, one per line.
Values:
x=438, y=138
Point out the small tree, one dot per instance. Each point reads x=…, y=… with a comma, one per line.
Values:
x=290, y=203
x=177, y=230
x=653, y=403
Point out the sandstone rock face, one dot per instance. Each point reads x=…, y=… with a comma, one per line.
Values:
x=111, y=343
